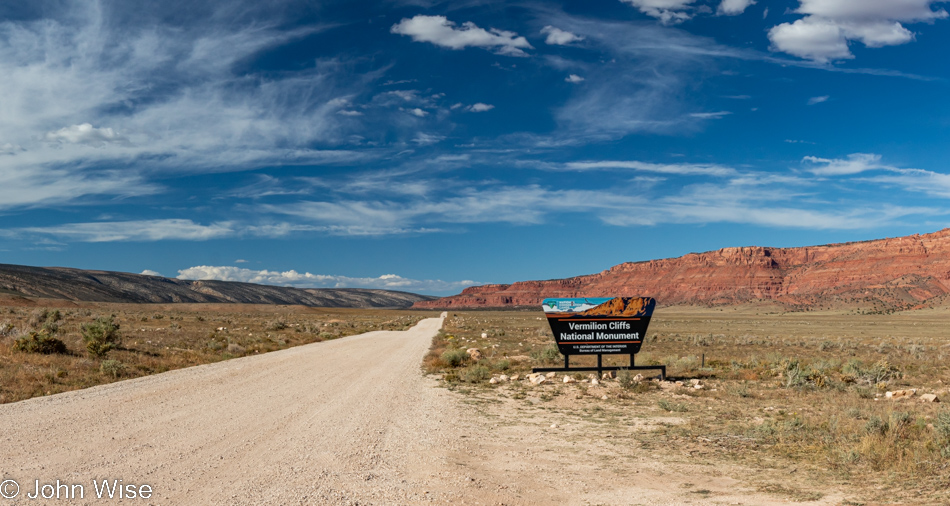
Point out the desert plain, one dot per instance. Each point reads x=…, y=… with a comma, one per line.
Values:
x=253, y=404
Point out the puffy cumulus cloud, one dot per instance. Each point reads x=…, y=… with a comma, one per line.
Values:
x=734, y=7
x=85, y=134
x=308, y=280
x=138, y=230
x=444, y=33
x=829, y=25
x=573, y=79
x=667, y=11
x=480, y=107
x=558, y=37
x=854, y=164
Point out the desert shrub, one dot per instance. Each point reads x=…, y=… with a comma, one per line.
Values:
x=8, y=329
x=101, y=336
x=235, y=349
x=39, y=342
x=625, y=378
x=112, y=368
x=277, y=324
x=878, y=372
x=671, y=406
x=502, y=365
x=475, y=374
x=454, y=357
x=549, y=353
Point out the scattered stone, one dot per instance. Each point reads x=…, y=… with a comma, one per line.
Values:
x=537, y=380
x=594, y=381
x=484, y=335
x=901, y=394
x=679, y=383
x=551, y=374
x=638, y=378
x=604, y=397
x=609, y=375
x=493, y=381
x=697, y=387
x=474, y=354
x=929, y=398
x=503, y=377
x=515, y=377
x=553, y=425
x=568, y=379
x=695, y=382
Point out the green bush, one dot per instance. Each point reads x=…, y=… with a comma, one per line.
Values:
x=548, y=354
x=112, y=368
x=625, y=379
x=101, y=336
x=454, y=357
x=475, y=374
x=39, y=343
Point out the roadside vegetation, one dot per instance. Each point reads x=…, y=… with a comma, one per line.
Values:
x=47, y=350
x=802, y=391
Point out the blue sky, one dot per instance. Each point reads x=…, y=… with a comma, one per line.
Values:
x=428, y=146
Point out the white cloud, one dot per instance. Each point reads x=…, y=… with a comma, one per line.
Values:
x=149, y=272
x=141, y=230
x=442, y=32
x=307, y=280
x=710, y=115
x=854, y=164
x=574, y=79
x=828, y=26
x=345, y=112
x=683, y=169
x=152, y=97
x=667, y=11
x=480, y=107
x=418, y=112
x=818, y=100
x=240, y=261
x=558, y=37
x=811, y=38
x=85, y=134
x=734, y=7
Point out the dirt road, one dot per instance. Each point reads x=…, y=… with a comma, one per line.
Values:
x=349, y=421
x=344, y=421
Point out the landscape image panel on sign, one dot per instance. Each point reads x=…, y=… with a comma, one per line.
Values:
x=584, y=326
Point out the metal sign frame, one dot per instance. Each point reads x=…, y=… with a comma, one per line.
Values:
x=616, y=325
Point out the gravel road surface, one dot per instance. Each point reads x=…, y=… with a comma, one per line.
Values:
x=349, y=421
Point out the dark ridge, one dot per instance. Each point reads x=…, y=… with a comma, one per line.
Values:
x=106, y=286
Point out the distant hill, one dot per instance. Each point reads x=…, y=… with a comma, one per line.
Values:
x=880, y=275
x=105, y=286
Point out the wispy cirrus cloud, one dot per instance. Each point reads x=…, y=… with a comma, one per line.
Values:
x=85, y=94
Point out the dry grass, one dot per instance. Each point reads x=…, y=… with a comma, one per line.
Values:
x=796, y=390
x=158, y=338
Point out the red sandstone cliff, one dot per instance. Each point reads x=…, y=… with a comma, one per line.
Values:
x=898, y=272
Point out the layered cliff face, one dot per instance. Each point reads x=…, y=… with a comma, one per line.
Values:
x=898, y=272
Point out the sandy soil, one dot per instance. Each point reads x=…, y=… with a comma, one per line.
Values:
x=348, y=421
